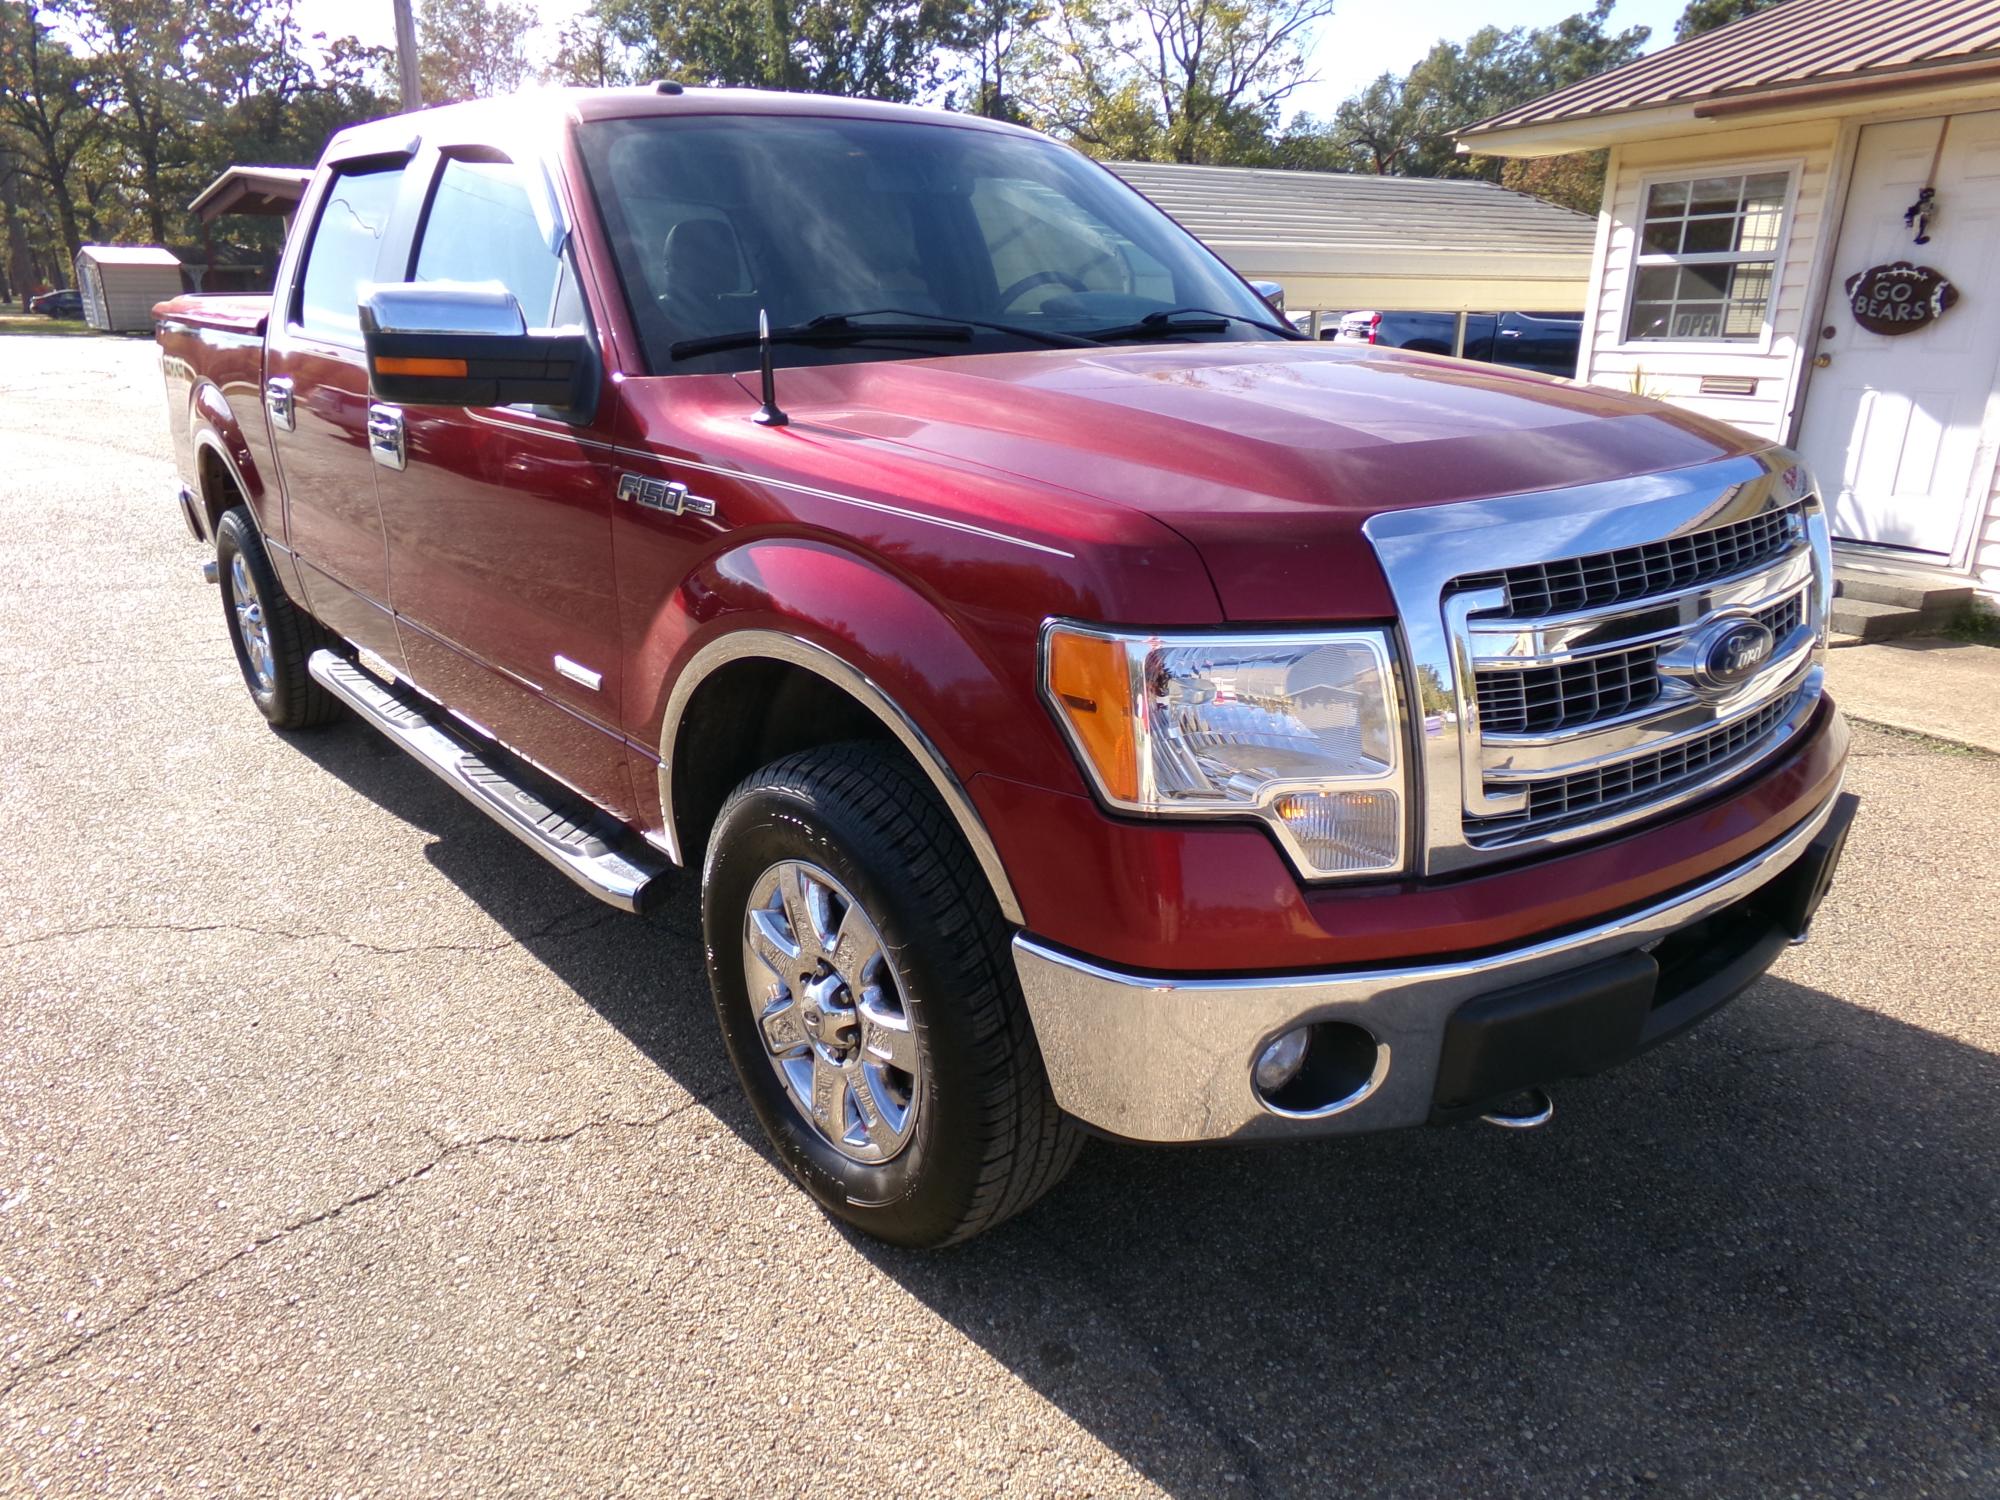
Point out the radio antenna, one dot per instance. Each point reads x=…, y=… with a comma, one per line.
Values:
x=769, y=414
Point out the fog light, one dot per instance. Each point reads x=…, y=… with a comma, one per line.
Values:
x=1279, y=1063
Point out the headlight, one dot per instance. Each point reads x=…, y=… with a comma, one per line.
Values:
x=1299, y=730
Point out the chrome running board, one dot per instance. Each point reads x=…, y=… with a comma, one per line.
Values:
x=580, y=841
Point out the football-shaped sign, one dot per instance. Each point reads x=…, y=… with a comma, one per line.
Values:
x=1899, y=298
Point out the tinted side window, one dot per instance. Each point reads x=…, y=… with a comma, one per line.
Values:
x=343, y=251
x=481, y=227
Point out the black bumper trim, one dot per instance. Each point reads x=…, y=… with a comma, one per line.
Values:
x=1594, y=1017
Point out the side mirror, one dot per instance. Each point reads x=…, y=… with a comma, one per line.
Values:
x=450, y=343
x=1272, y=292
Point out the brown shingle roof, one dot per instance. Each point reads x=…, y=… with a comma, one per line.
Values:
x=1790, y=44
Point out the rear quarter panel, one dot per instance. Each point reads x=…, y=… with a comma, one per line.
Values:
x=212, y=354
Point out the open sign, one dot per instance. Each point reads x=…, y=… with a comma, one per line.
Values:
x=1899, y=298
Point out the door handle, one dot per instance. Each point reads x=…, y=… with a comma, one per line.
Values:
x=385, y=436
x=278, y=402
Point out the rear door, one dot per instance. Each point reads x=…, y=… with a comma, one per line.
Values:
x=499, y=518
x=316, y=399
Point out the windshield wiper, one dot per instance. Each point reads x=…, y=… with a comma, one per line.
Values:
x=830, y=328
x=1179, y=320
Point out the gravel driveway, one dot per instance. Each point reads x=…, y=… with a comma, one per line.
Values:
x=345, y=1148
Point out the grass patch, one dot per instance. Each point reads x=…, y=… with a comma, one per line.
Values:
x=1977, y=624
x=1917, y=741
x=15, y=319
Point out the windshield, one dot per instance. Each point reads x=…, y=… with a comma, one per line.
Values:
x=716, y=218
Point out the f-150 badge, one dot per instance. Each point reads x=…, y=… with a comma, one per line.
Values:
x=665, y=495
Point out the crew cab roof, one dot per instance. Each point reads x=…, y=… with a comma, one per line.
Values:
x=538, y=111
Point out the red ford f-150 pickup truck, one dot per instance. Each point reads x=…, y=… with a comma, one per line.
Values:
x=1088, y=704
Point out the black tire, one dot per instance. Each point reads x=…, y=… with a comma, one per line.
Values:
x=987, y=1138
x=285, y=694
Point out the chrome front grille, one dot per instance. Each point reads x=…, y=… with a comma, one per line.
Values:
x=1542, y=700
x=1561, y=800
x=1576, y=653
x=1627, y=573
x=1536, y=700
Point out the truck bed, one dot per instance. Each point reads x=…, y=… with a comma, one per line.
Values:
x=226, y=312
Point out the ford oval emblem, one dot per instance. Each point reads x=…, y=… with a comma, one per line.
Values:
x=1720, y=657
x=1736, y=653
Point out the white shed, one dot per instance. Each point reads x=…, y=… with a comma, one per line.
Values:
x=1342, y=240
x=120, y=284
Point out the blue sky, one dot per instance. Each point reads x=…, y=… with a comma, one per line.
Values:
x=1364, y=37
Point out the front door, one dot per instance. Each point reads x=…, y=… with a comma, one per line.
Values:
x=499, y=520
x=1896, y=426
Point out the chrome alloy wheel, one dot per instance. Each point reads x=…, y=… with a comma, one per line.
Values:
x=251, y=626
x=830, y=1011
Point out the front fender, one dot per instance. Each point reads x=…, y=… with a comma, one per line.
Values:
x=960, y=699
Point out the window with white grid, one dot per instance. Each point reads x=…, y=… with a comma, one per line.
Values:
x=1708, y=258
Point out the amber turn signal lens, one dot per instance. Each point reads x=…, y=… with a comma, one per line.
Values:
x=1091, y=683
x=450, y=369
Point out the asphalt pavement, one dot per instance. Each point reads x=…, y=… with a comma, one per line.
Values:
x=347, y=1149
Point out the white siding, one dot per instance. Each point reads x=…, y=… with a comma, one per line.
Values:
x=1675, y=374
x=131, y=291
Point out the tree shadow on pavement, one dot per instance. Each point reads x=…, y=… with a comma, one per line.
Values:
x=1759, y=1260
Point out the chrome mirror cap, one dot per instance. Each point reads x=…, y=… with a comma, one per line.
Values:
x=461, y=307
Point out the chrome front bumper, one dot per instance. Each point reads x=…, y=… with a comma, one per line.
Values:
x=1154, y=1059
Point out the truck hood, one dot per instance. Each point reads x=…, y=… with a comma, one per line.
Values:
x=1267, y=457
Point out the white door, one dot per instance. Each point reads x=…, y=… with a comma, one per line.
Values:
x=1895, y=427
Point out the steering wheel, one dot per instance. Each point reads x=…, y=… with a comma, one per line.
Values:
x=1040, y=278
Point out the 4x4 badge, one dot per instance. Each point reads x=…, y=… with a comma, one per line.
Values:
x=665, y=495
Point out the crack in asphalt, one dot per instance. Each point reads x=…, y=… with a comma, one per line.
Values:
x=36, y=1368
x=1235, y=1446
x=563, y=925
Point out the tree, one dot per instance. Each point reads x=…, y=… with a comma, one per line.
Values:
x=1396, y=124
x=590, y=52
x=894, y=50
x=47, y=111
x=1404, y=124
x=1575, y=181
x=1707, y=15
x=472, y=49
x=1173, y=80
x=289, y=110
x=114, y=113
x=161, y=68
x=20, y=261
x=994, y=34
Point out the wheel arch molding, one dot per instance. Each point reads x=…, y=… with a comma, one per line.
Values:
x=216, y=438
x=779, y=648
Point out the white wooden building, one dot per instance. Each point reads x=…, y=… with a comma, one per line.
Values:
x=120, y=284
x=1755, y=173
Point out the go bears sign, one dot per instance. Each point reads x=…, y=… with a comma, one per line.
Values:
x=1899, y=298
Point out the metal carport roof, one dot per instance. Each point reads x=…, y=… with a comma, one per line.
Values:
x=1342, y=240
